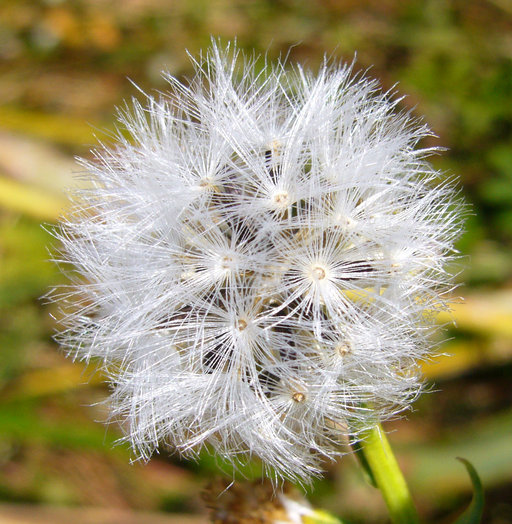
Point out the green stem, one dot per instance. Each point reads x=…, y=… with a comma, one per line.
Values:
x=388, y=477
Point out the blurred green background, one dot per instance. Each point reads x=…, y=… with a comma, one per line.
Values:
x=64, y=65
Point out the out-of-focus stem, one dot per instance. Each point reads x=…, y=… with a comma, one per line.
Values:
x=388, y=476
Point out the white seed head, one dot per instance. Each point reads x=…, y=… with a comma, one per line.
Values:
x=233, y=314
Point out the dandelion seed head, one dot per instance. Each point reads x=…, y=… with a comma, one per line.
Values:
x=257, y=267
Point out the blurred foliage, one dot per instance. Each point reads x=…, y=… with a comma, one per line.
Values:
x=65, y=64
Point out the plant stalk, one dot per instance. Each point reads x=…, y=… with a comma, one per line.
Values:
x=388, y=476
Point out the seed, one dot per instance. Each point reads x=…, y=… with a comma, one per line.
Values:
x=319, y=273
x=281, y=198
x=299, y=397
x=342, y=349
x=226, y=262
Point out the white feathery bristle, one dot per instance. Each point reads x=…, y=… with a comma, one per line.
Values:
x=257, y=267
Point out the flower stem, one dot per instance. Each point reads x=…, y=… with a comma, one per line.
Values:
x=388, y=477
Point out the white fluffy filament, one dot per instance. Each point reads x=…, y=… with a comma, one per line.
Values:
x=257, y=266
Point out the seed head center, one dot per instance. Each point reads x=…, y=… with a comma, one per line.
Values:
x=281, y=199
x=319, y=273
x=299, y=397
x=206, y=184
x=242, y=324
x=342, y=349
x=275, y=145
x=226, y=262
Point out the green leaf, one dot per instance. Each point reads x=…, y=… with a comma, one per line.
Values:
x=473, y=513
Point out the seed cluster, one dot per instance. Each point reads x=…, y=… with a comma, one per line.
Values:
x=258, y=265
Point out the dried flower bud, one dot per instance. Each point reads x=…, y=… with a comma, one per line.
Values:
x=254, y=503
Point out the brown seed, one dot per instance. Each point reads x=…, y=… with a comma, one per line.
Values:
x=342, y=349
x=226, y=261
x=242, y=324
x=299, y=397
